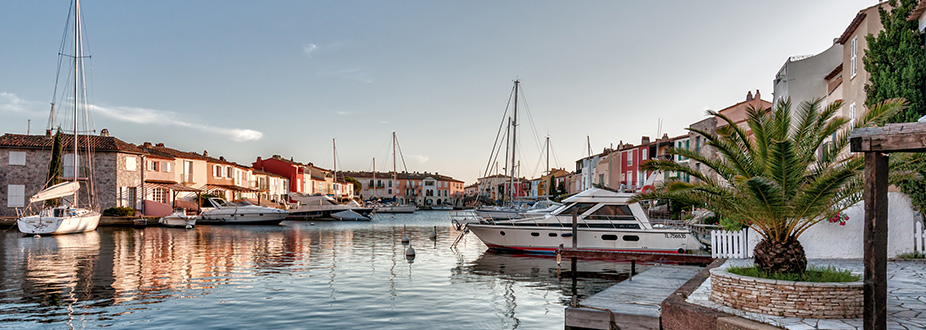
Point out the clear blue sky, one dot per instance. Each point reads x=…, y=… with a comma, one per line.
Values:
x=257, y=78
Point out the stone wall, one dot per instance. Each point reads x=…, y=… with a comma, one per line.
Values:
x=787, y=298
x=31, y=175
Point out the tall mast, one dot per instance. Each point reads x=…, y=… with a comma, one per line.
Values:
x=548, y=154
x=77, y=58
x=394, y=173
x=334, y=154
x=514, y=136
x=507, y=166
x=374, y=178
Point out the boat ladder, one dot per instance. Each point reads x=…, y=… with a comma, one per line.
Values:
x=459, y=238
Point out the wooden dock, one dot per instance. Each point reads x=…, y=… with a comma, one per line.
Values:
x=688, y=259
x=631, y=304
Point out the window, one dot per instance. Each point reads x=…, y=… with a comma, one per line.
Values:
x=631, y=238
x=629, y=177
x=390, y=191
x=130, y=163
x=612, y=212
x=167, y=168
x=853, y=58
x=187, y=171
x=155, y=166
x=228, y=172
x=217, y=171
x=371, y=184
x=390, y=183
x=629, y=156
x=129, y=197
x=698, y=144
x=16, y=195
x=158, y=195
x=643, y=154
x=17, y=158
x=609, y=237
x=581, y=207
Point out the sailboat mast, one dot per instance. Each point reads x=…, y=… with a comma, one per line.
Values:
x=77, y=58
x=548, y=154
x=374, y=178
x=334, y=154
x=514, y=136
x=394, y=173
x=507, y=154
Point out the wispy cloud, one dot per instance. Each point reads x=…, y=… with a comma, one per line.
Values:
x=344, y=113
x=170, y=118
x=10, y=103
x=385, y=122
x=309, y=49
x=421, y=159
x=354, y=74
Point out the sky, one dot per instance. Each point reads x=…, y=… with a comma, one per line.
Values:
x=244, y=79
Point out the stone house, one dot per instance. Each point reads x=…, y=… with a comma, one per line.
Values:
x=116, y=177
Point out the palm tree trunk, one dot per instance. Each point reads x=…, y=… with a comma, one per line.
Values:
x=780, y=257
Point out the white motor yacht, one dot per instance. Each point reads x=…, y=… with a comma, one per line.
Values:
x=605, y=221
x=178, y=219
x=320, y=207
x=240, y=212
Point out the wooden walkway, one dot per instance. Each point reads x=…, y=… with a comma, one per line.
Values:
x=631, y=304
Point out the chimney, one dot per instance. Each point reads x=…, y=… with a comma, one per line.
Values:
x=104, y=132
x=758, y=96
x=48, y=133
x=749, y=96
x=159, y=145
x=644, y=140
x=205, y=153
x=222, y=158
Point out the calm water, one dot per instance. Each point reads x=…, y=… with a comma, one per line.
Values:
x=298, y=275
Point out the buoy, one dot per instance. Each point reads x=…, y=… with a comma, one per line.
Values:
x=405, y=240
x=36, y=236
x=410, y=251
x=189, y=227
x=433, y=234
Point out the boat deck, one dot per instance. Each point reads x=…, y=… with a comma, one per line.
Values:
x=631, y=304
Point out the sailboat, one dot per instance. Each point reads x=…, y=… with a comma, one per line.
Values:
x=69, y=217
x=395, y=206
x=510, y=210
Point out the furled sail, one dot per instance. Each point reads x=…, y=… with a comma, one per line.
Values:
x=56, y=191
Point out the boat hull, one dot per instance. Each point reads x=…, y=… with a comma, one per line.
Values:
x=51, y=225
x=396, y=209
x=326, y=214
x=268, y=217
x=177, y=221
x=535, y=239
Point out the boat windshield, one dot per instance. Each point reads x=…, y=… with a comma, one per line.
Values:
x=612, y=212
x=241, y=203
x=582, y=207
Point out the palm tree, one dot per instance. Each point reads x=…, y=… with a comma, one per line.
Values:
x=781, y=179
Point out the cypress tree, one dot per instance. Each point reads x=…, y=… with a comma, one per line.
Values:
x=55, y=166
x=896, y=60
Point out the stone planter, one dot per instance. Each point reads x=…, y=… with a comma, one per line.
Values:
x=787, y=298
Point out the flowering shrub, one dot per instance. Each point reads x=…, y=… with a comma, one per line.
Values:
x=839, y=218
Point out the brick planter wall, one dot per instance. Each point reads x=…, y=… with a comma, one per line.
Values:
x=787, y=298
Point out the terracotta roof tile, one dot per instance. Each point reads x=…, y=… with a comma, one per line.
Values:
x=95, y=142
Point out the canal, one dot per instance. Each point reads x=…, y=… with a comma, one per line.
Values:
x=298, y=275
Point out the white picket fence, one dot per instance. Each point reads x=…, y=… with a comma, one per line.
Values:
x=730, y=244
x=919, y=237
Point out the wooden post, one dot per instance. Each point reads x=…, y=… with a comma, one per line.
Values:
x=876, y=181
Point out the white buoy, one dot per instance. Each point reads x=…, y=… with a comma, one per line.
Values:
x=405, y=240
x=410, y=251
x=433, y=234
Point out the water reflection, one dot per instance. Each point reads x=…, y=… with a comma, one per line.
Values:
x=284, y=276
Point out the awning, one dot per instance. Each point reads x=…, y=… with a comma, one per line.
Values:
x=210, y=187
x=168, y=185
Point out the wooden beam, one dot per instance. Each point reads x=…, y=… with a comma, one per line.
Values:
x=903, y=137
x=639, y=256
x=875, y=289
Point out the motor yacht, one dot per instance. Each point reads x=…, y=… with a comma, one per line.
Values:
x=240, y=212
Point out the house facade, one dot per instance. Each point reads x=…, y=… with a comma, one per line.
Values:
x=116, y=175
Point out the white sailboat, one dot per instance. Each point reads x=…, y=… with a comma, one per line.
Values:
x=70, y=217
x=395, y=206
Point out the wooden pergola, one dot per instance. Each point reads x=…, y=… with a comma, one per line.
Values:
x=876, y=143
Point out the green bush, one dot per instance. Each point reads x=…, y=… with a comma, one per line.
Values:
x=812, y=274
x=119, y=211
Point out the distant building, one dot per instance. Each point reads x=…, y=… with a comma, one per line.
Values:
x=420, y=188
x=854, y=76
x=801, y=78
